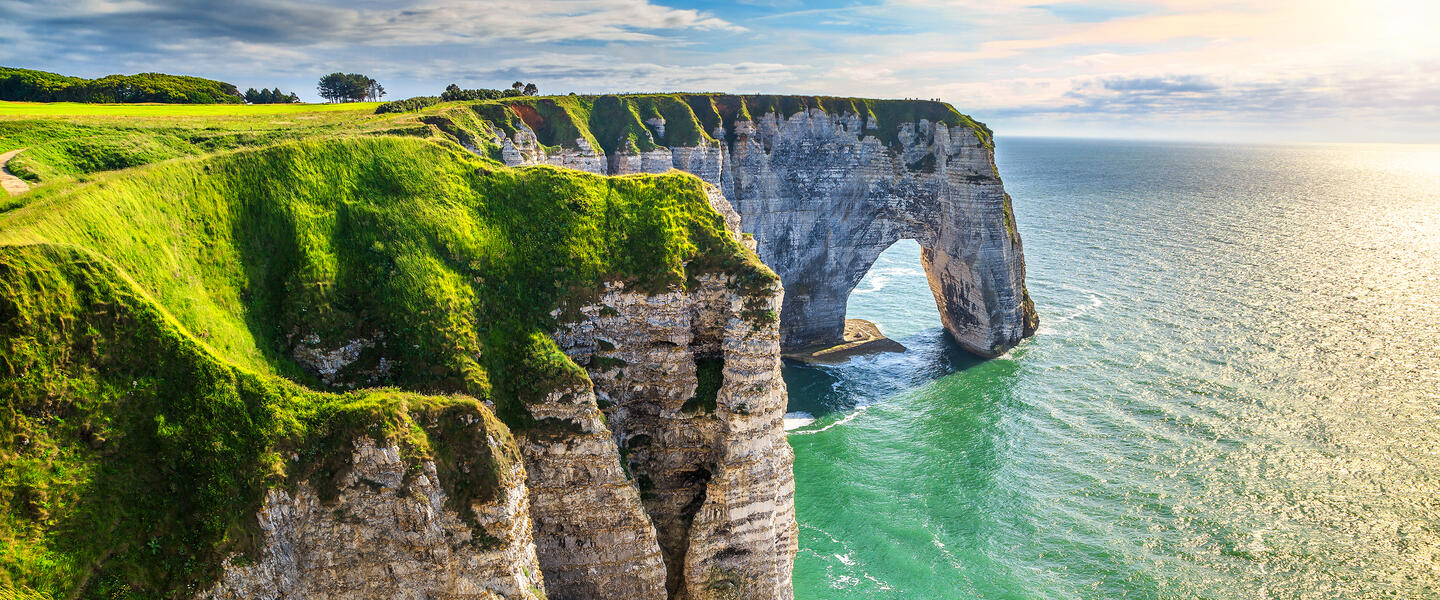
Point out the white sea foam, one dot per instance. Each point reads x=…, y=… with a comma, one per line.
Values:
x=841, y=421
x=877, y=283
x=1049, y=326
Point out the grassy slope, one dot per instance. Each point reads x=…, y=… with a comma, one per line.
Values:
x=146, y=341
x=39, y=109
x=67, y=140
x=134, y=459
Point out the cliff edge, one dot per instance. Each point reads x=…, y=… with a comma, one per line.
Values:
x=823, y=184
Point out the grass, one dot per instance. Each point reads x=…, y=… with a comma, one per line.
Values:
x=135, y=459
x=68, y=141
x=147, y=342
x=77, y=109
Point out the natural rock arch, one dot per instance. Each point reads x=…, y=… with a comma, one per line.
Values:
x=823, y=192
x=823, y=198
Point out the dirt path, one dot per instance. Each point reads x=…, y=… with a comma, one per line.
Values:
x=13, y=185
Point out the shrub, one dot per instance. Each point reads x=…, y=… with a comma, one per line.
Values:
x=407, y=105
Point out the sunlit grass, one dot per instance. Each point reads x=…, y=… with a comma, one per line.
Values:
x=60, y=109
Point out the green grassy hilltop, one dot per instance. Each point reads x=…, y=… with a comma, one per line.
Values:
x=159, y=282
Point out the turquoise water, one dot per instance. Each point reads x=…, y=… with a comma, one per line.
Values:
x=1235, y=391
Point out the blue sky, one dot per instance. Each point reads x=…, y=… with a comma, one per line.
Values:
x=1277, y=70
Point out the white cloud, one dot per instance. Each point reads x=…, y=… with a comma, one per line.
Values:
x=1015, y=62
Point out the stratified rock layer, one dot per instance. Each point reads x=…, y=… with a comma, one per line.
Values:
x=593, y=537
x=692, y=391
x=823, y=196
x=388, y=535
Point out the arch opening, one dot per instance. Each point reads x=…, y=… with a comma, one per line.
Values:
x=895, y=293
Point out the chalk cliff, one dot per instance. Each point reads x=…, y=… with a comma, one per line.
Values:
x=388, y=533
x=824, y=185
x=691, y=389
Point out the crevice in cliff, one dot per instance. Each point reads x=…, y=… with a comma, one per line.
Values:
x=674, y=554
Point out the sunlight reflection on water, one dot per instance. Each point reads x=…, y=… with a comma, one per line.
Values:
x=1233, y=394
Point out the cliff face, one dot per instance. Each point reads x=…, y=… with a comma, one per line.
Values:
x=825, y=186
x=691, y=389
x=388, y=533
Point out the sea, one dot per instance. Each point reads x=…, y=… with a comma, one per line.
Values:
x=1234, y=391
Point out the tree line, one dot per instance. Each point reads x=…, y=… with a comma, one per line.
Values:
x=453, y=92
x=267, y=96
x=27, y=85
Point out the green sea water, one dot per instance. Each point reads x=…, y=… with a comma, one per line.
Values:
x=1234, y=393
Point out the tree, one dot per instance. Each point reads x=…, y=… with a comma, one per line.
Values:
x=517, y=86
x=349, y=87
x=270, y=96
x=373, y=89
x=532, y=89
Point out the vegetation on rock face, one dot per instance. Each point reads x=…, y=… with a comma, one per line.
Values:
x=709, y=375
x=39, y=86
x=148, y=319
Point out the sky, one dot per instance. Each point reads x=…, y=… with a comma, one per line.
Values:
x=1210, y=70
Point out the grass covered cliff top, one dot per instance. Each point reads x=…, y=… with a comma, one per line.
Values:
x=68, y=140
x=150, y=319
x=625, y=122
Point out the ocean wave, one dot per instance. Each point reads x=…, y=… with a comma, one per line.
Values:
x=1051, y=325
x=843, y=420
